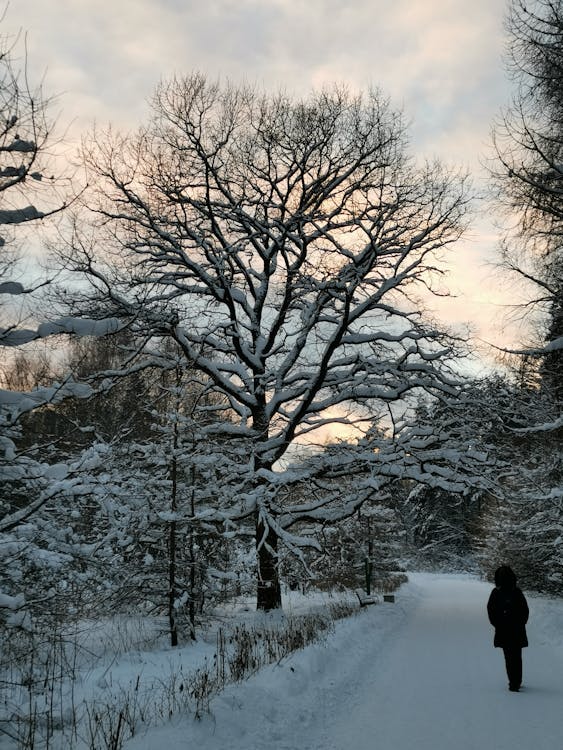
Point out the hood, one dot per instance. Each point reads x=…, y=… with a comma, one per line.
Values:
x=505, y=578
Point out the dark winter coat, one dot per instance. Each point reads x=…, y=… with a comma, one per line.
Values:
x=508, y=613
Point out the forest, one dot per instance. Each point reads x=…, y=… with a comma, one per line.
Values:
x=223, y=292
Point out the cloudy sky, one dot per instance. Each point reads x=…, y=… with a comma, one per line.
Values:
x=438, y=60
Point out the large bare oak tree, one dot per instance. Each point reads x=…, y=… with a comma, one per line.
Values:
x=281, y=243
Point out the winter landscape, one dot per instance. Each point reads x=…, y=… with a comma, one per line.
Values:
x=263, y=443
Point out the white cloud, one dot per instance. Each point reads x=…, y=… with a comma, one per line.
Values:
x=438, y=59
x=433, y=56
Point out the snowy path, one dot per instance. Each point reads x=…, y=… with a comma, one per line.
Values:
x=441, y=685
x=418, y=675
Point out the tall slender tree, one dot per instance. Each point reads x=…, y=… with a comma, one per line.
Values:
x=529, y=175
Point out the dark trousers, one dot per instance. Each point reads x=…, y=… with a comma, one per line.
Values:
x=513, y=661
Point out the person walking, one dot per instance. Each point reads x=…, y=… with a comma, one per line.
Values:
x=508, y=614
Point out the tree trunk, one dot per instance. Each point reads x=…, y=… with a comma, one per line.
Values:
x=191, y=546
x=269, y=590
x=172, y=585
x=268, y=587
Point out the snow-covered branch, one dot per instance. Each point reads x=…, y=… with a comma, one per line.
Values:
x=280, y=244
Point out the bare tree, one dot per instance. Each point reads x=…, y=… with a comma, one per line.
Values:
x=529, y=180
x=280, y=244
x=529, y=173
x=26, y=136
x=28, y=194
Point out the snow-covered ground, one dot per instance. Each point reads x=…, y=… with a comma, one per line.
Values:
x=420, y=674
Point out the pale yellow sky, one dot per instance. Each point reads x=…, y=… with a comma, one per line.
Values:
x=438, y=60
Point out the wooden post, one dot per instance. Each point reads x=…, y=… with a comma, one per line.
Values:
x=368, y=570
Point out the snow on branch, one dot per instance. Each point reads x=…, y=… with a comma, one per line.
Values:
x=11, y=287
x=20, y=215
x=20, y=145
x=557, y=424
x=15, y=403
x=551, y=346
x=80, y=327
x=76, y=326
